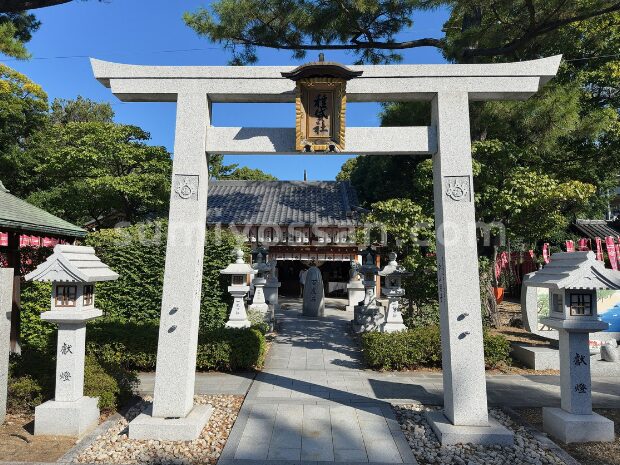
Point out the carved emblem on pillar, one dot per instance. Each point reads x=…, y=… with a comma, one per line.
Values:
x=458, y=188
x=186, y=186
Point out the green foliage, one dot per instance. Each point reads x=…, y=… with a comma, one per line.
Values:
x=32, y=376
x=35, y=299
x=476, y=30
x=80, y=110
x=16, y=29
x=248, y=174
x=138, y=253
x=134, y=346
x=93, y=169
x=421, y=348
x=23, y=106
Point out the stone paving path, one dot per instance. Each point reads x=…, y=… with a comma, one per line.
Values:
x=301, y=409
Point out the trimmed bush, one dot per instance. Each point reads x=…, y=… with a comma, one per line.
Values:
x=421, y=347
x=134, y=346
x=137, y=253
x=32, y=376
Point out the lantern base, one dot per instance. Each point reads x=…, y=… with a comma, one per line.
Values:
x=570, y=428
x=73, y=419
x=238, y=324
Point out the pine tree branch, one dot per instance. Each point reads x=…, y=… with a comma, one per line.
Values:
x=15, y=6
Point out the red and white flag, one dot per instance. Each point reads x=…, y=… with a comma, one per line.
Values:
x=611, y=252
x=599, y=249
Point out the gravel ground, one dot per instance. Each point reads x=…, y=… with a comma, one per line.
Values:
x=427, y=450
x=590, y=453
x=115, y=447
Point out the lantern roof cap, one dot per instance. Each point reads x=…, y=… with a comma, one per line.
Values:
x=73, y=264
x=393, y=268
x=574, y=270
x=321, y=69
x=239, y=266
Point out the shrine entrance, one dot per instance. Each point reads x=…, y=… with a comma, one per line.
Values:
x=449, y=88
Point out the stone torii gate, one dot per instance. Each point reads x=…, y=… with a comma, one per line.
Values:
x=450, y=88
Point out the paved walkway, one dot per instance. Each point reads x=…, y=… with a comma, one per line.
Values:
x=314, y=402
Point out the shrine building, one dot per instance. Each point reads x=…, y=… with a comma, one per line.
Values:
x=298, y=222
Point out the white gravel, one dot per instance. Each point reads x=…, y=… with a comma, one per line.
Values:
x=115, y=447
x=427, y=450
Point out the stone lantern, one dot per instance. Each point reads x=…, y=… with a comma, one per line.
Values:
x=272, y=285
x=238, y=288
x=258, y=302
x=355, y=288
x=573, y=279
x=367, y=314
x=392, y=289
x=73, y=272
x=320, y=103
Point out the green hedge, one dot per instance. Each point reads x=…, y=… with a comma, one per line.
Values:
x=421, y=347
x=137, y=253
x=32, y=381
x=134, y=346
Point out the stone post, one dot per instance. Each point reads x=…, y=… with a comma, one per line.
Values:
x=355, y=290
x=6, y=302
x=464, y=382
x=259, y=303
x=180, y=310
x=575, y=378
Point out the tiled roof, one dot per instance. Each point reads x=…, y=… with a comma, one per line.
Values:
x=595, y=228
x=321, y=203
x=574, y=270
x=17, y=214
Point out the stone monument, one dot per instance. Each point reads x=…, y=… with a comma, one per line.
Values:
x=314, y=293
x=238, y=289
x=73, y=272
x=393, y=273
x=6, y=303
x=573, y=279
x=355, y=287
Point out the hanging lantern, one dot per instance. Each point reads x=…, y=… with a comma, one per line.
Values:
x=320, y=102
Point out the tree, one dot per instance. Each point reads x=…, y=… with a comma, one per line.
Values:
x=218, y=170
x=23, y=112
x=94, y=169
x=477, y=29
x=80, y=110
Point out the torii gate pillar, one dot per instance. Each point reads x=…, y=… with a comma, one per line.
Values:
x=450, y=88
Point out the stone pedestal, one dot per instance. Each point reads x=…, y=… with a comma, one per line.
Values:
x=145, y=426
x=355, y=289
x=393, y=316
x=70, y=413
x=238, y=316
x=449, y=434
x=575, y=421
x=175, y=372
x=6, y=301
x=259, y=303
x=367, y=315
x=569, y=427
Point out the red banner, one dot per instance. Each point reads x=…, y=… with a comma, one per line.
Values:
x=599, y=249
x=611, y=252
x=546, y=252
x=570, y=246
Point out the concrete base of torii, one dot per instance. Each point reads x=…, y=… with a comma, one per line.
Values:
x=187, y=428
x=449, y=434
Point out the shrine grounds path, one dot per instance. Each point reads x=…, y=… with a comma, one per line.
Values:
x=314, y=401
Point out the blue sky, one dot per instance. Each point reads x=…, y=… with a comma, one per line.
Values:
x=153, y=32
